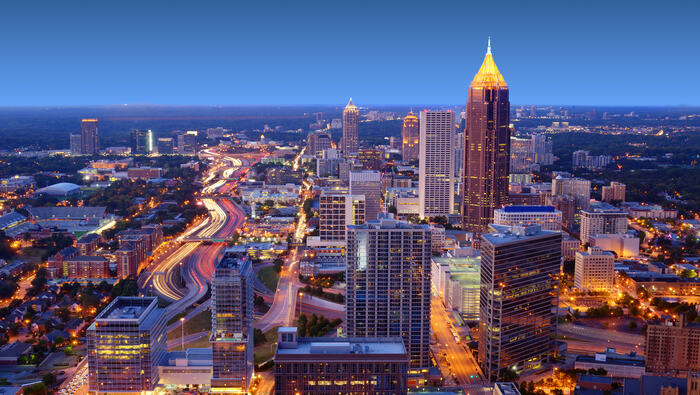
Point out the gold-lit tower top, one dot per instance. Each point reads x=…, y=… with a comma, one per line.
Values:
x=488, y=75
x=350, y=105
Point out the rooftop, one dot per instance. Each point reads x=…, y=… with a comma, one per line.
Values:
x=507, y=234
x=339, y=346
x=128, y=308
x=528, y=209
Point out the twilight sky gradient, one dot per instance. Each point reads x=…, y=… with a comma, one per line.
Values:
x=379, y=52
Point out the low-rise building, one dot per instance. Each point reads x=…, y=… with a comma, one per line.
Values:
x=622, y=244
x=672, y=346
x=546, y=216
x=616, y=365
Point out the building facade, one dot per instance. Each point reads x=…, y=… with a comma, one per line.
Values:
x=614, y=191
x=487, y=147
x=125, y=344
x=577, y=188
x=545, y=216
x=232, y=324
x=165, y=145
x=141, y=142
x=410, y=137
x=602, y=219
x=351, y=120
x=89, y=137
x=594, y=270
x=436, y=165
x=388, y=284
x=336, y=211
x=672, y=347
x=519, y=276
x=317, y=142
x=369, y=184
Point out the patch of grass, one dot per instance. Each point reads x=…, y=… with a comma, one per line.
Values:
x=180, y=315
x=199, y=323
x=269, y=277
x=266, y=350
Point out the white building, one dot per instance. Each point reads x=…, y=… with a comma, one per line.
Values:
x=545, y=216
x=436, y=166
x=623, y=245
x=578, y=188
x=614, y=191
x=594, y=270
x=601, y=219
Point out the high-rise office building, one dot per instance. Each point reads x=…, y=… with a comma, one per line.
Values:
x=519, y=277
x=594, y=270
x=369, y=366
x=76, y=147
x=125, y=344
x=487, y=147
x=614, y=191
x=567, y=206
x=410, y=137
x=336, y=211
x=577, y=188
x=521, y=155
x=542, y=149
x=601, y=219
x=388, y=284
x=187, y=143
x=369, y=184
x=232, y=324
x=166, y=146
x=317, y=142
x=371, y=158
x=435, y=182
x=89, y=137
x=351, y=120
x=141, y=142
x=546, y=216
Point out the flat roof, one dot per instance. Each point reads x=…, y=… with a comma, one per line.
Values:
x=340, y=346
x=527, y=209
x=508, y=234
x=127, y=308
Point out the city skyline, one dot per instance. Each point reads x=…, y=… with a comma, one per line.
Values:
x=233, y=54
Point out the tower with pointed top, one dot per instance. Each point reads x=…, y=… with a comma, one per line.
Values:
x=351, y=117
x=410, y=135
x=486, y=147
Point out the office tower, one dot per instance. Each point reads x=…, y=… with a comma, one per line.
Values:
x=371, y=158
x=371, y=366
x=388, y=284
x=187, y=143
x=435, y=182
x=336, y=211
x=410, y=137
x=594, y=270
x=614, y=191
x=369, y=184
x=458, y=148
x=141, y=142
x=542, y=149
x=546, y=216
x=519, y=277
x=316, y=142
x=76, y=144
x=125, y=344
x=328, y=163
x=166, y=146
x=602, y=219
x=578, y=159
x=577, y=188
x=487, y=147
x=89, y=137
x=521, y=156
x=351, y=119
x=672, y=347
x=232, y=324
x=567, y=206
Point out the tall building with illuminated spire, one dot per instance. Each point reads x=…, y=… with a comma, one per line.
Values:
x=487, y=147
x=410, y=136
x=351, y=119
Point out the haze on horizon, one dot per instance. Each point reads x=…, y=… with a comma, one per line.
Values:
x=392, y=53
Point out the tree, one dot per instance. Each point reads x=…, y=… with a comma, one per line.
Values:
x=49, y=379
x=36, y=389
x=258, y=337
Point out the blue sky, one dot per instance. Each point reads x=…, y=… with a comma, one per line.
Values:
x=378, y=52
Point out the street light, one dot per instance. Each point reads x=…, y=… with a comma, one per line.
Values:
x=301, y=295
x=182, y=330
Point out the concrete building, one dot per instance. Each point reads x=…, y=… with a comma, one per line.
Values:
x=616, y=365
x=232, y=324
x=371, y=158
x=457, y=281
x=388, y=284
x=317, y=142
x=519, y=274
x=594, y=270
x=569, y=247
x=672, y=346
x=545, y=216
x=86, y=267
x=614, y=191
x=602, y=219
x=436, y=165
x=89, y=137
x=351, y=365
x=188, y=369
x=623, y=245
x=125, y=345
x=577, y=188
x=410, y=137
x=643, y=210
x=336, y=211
x=369, y=184
x=351, y=119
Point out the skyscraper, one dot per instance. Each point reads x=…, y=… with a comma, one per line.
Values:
x=318, y=141
x=578, y=188
x=519, y=275
x=337, y=210
x=187, y=143
x=141, y=142
x=76, y=147
x=166, y=145
x=351, y=119
x=410, y=137
x=125, y=345
x=89, y=137
x=232, y=324
x=369, y=184
x=388, y=284
x=487, y=146
x=435, y=182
